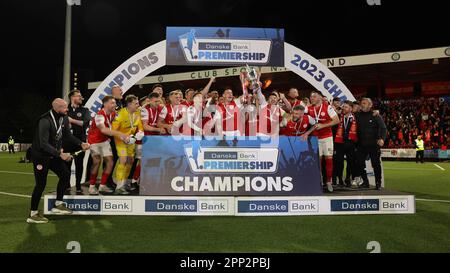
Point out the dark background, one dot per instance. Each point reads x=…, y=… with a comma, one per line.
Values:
x=107, y=32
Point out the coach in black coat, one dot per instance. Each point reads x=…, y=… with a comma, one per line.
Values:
x=371, y=135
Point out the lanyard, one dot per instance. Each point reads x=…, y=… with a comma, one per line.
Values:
x=58, y=129
x=271, y=113
x=297, y=129
x=197, y=114
x=346, y=121
x=131, y=118
x=108, y=119
x=317, y=115
x=229, y=115
x=174, y=114
x=154, y=116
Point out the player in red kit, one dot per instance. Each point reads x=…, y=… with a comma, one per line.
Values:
x=299, y=124
x=291, y=100
x=99, y=138
x=230, y=110
x=150, y=114
x=188, y=96
x=172, y=113
x=325, y=117
x=198, y=121
x=271, y=116
x=189, y=93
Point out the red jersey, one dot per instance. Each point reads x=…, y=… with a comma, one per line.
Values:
x=271, y=116
x=297, y=128
x=95, y=135
x=187, y=103
x=322, y=114
x=230, y=116
x=295, y=103
x=150, y=116
x=171, y=113
x=197, y=118
x=251, y=121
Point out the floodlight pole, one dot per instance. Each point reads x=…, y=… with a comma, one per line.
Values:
x=67, y=52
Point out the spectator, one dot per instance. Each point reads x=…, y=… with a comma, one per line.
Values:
x=406, y=121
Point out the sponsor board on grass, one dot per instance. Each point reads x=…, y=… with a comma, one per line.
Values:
x=236, y=206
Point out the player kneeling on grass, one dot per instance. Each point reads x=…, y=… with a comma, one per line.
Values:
x=128, y=121
x=98, y=137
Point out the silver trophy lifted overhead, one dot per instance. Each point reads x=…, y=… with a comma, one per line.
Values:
x=252, y=77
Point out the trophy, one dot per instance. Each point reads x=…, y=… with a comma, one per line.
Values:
x=252, y=77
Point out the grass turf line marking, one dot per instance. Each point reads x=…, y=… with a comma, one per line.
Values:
x=433, y=200
x=15, y=194
x=439, y=167
x=409, y=169
x=9, y=172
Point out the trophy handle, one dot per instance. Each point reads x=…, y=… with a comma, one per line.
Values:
x=258, y=74
x=243, y=77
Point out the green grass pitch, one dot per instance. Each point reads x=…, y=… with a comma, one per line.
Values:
x=426, y=231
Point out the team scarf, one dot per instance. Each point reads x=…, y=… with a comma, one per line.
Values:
x=352, y=134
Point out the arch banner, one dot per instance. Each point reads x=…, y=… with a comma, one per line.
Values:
x=129, y=73
x=153, y=57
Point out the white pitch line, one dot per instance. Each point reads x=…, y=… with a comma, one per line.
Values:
x=433, y=200
x=442, y=169
x=15, y=194
x=409, y=169
x=9, y=172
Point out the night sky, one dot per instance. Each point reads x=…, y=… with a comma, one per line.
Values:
x=107, y=32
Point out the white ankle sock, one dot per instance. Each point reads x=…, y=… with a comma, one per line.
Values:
x=120, y=184
x=57, y=203
x=33, y=213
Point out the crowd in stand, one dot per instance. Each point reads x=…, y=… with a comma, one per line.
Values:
x=408, y=118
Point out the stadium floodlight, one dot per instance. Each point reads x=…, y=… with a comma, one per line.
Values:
x=67, y=44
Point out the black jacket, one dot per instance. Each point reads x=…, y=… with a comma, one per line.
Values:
x=46, y=142
x=370, y=128
x=83, y=114
x=119, y=104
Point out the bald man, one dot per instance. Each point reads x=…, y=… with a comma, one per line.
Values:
x=47, y=154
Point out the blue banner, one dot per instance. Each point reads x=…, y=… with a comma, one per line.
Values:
x=224, y=46
x=242, y=166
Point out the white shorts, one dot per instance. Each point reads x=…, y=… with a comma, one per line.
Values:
x=326, y=146
x=102, y=149
x=232, y=133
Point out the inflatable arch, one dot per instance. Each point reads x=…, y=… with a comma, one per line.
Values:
x=153, y=57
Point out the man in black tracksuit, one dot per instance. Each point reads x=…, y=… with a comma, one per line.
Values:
x=79, y=118
x=47, y=154
x=371, y=135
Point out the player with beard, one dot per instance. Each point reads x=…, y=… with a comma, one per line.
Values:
x=299, y=124
x=171, y=113
x=99, y=139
